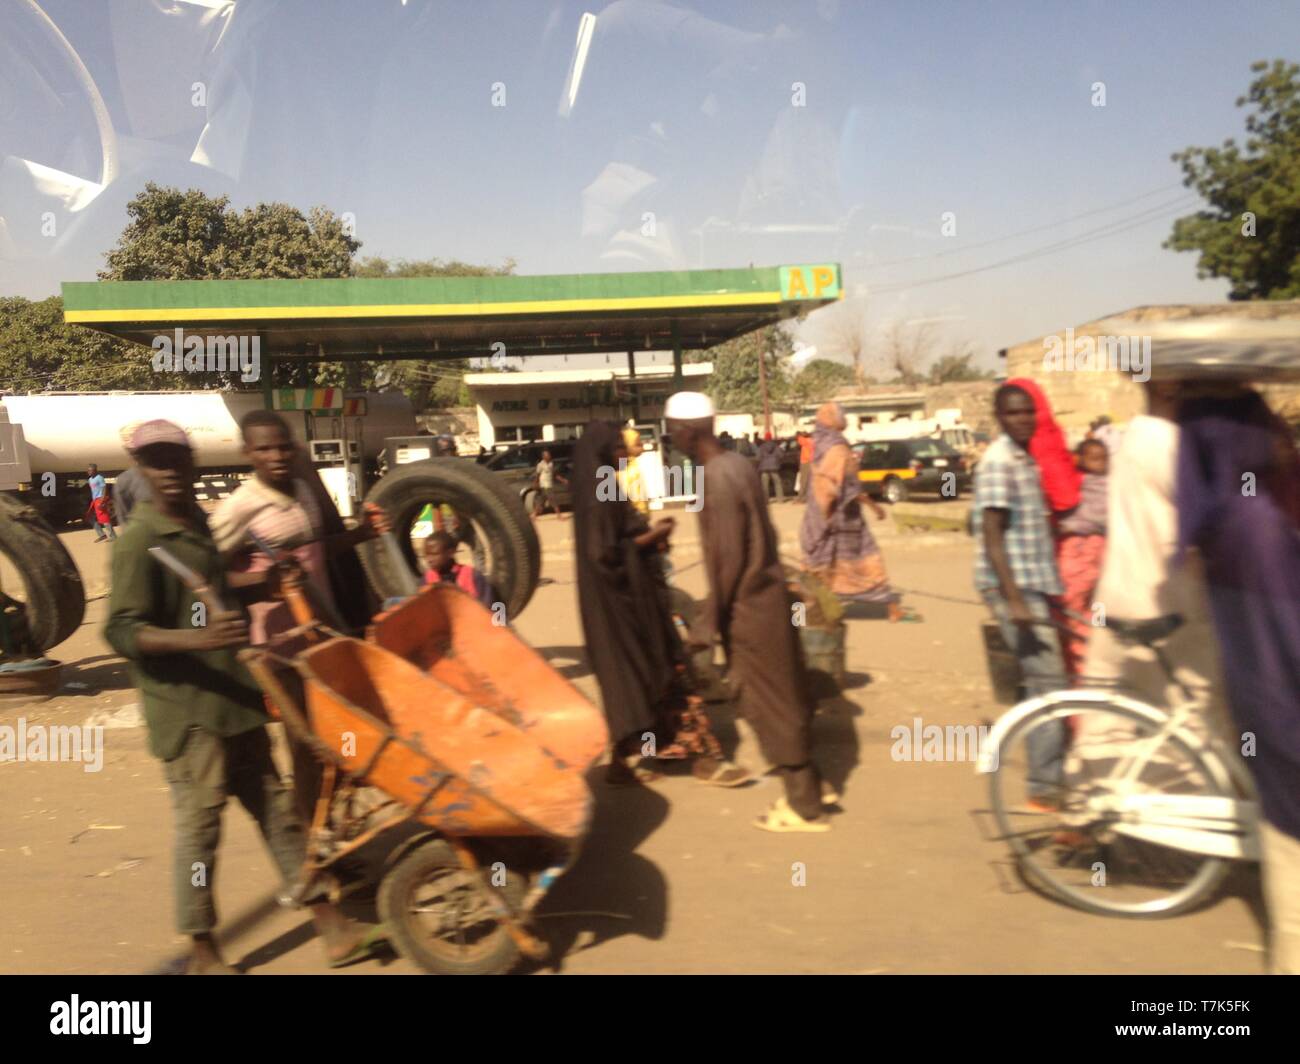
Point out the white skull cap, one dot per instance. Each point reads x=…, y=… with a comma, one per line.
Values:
x=688, y=406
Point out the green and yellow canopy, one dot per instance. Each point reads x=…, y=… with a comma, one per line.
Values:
x=457, y=317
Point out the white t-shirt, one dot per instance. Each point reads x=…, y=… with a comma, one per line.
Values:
x=1137, y=581
x=546, y=475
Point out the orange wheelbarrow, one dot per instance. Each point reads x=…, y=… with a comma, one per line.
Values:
x=453, y=737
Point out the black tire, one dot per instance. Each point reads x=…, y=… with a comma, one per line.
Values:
x=894, y=490
x=53, y=595
x=528, y=500
x=492, y=951
x=474, y=492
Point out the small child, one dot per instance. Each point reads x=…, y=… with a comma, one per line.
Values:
x=442, y=567
x=1080, y=548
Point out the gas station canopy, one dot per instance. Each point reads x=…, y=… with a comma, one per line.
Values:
x=460, y=317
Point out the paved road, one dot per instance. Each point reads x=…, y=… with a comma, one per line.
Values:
x=672, y=879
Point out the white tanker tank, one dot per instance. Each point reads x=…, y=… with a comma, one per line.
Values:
x=66, y=432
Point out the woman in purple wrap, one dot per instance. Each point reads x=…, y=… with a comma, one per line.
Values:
x=838, y=547
x=1239, y=504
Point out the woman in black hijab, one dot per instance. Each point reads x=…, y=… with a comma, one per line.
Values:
x=631, y=642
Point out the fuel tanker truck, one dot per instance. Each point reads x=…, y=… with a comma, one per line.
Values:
x=363, y=446
x=61, y=434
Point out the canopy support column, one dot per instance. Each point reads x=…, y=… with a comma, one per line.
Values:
x=636, y=390
x=268, y=382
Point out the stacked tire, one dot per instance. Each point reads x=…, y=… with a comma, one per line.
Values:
x=53, y=596
x=473, y=493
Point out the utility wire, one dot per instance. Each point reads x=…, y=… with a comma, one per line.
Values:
x=1022, y=232
x=1110, y=229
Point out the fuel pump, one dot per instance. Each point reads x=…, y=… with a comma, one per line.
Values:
x=338, y=462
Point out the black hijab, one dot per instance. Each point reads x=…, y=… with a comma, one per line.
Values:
x=629, y=632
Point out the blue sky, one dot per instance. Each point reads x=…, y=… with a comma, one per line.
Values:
x=685, y=146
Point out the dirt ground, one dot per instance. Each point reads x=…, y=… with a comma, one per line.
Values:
x=672, y=879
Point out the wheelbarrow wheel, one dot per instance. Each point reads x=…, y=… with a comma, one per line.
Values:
x=440, y=916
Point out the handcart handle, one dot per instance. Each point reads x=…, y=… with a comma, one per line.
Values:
x=294, y=718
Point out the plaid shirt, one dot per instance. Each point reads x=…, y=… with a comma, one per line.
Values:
x=1007, y=479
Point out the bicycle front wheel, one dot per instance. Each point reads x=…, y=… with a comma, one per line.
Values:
x=1059, y=791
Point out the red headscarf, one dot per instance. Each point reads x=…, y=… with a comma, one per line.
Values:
x=1057, y=470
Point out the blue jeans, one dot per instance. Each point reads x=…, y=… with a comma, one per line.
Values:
x=1038, y=650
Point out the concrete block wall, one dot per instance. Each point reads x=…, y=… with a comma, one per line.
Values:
x=1079, y=396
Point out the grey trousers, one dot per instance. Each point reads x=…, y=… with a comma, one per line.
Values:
x=209, y=770
x=772, y=486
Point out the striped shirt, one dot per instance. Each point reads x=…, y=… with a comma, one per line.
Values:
x=1007, y=479
x=278, y=520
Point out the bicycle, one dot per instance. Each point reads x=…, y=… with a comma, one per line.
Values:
x=1149, y=809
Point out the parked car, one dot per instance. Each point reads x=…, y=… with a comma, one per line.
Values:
x=517, y=464
x=894, y=469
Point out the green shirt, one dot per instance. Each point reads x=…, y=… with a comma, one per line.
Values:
x=207, y=688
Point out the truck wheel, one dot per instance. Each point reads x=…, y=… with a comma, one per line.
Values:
x=53, y=598
x=474, y=493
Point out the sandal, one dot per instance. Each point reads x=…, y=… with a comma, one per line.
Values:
x=374, y=937
x=782, y=818
x=720, y=773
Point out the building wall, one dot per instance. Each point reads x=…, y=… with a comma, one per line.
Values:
x=548, y=406
x=973, y=398
x=1078, y=397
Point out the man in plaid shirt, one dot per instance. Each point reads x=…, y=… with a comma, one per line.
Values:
x=1015, y=572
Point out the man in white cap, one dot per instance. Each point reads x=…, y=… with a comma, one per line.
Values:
x=749, y=610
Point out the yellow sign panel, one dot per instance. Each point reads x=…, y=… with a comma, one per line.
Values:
x=810, y=282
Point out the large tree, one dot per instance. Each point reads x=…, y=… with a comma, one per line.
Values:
x=377, y=266
x=174, y=235
x=848, y=333
x=1250, y=231
x=734, y=385
x=190, y=236
x=39, y=352
x=907, y=348
x=817, y=382
x=956, y=366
